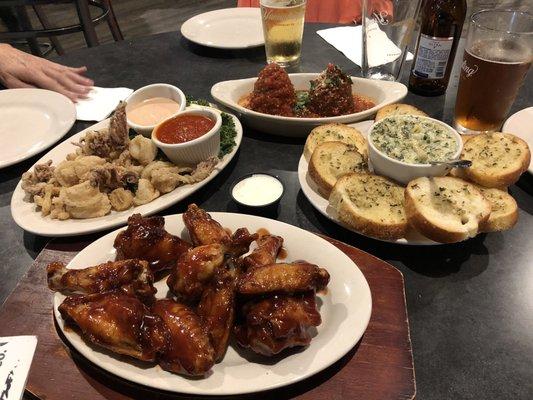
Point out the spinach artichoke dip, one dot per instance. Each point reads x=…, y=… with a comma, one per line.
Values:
x=413, y=139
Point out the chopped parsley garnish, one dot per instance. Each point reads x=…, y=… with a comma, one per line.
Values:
x=199, y=102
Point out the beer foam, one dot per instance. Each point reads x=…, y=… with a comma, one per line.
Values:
x=501, y=51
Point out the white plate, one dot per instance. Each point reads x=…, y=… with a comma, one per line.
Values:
x=520, y=124
x=32, y=120
x=310, y=191
x=229, y=28
x=27, y=218
x=229, y=93
x=345, y=310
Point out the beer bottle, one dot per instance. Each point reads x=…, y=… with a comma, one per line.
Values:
x=440, y=30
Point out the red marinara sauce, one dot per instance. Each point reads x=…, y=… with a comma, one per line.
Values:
x=184, y=128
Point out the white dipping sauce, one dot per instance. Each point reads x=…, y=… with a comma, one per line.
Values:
x=257, y=190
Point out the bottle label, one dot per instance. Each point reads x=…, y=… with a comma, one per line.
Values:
x=432, y=57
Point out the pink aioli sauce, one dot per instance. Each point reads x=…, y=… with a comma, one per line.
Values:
x=152, y=111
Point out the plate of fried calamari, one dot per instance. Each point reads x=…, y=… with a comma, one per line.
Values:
x=211, y=304
x=292, y=104
x=97, y=178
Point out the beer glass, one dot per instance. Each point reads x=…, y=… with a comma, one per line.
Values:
x=387, y=31
x=283, y=27
x=498, y=54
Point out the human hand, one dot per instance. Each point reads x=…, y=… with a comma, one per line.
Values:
x=22, y=70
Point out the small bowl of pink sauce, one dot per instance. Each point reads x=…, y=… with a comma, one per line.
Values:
x=149, y=105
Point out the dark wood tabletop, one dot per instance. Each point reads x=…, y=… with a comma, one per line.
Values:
x=470, y=304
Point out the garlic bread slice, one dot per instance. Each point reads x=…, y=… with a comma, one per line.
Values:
x=445, y=209
x=498, y=159
x=504, y=210
x=330, y=161
x=371, y=205
x=335, y=133
x=398, y=109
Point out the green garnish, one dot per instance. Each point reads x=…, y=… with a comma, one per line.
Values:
x=199, y=102
x=302, y=99
x=227, y=135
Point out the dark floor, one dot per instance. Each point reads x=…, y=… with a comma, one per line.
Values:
x=136, y=17
x=144, y=17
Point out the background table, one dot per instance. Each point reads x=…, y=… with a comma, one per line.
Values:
x=470, y=304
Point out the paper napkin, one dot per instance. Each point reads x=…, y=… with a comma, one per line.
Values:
x=16, y=355
x=100, y=103
x=348, y=40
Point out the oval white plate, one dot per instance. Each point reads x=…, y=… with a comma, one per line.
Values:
x=229, y=93
x=27, y=218
x=345, y=310
x=228, y=28
x=32, y=120
x=310, y=191
x=520, y=124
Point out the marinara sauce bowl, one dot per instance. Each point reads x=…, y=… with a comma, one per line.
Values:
x=195, y=150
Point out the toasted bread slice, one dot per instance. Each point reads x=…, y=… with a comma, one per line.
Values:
x=398, y=109
x=504, y=210
x=330, y=161
x=498, y=159
x=335, y=133
x=445, y=209
x=371, y=205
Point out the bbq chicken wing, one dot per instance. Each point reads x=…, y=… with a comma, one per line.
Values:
x=146, y=239
x=279, y=322
x=189, y=350
x=132, y=276
x=287, y=278
x=194, y=270
x=217, y=308
x=266, y=252
x=204, y=230
x=118, y=322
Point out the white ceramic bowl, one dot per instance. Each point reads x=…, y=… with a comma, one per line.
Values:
x=148, y=92
x=229, y=92
x=196, y=150
x=403, y=172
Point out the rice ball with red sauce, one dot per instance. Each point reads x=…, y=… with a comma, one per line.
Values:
x=273, y=92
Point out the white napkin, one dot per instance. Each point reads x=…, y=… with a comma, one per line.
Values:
x=17, y=355
x=348, y=40
x=100, y=103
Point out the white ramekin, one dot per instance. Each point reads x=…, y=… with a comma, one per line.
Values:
x=196, y=150
x=148, y=92
x=403, y=172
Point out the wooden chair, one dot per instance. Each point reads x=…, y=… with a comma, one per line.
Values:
x=86, y=23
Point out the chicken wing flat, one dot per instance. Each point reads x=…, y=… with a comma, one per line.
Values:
x=118, y=322
x=217, y=308
x=194, y=270
x=189, y=350
x=132, y=275
x=279, y=322
x=268, y=247
x=203, y=229
x=288, y=278
x=146, y=239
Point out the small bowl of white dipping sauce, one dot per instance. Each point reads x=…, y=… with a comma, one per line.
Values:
x=149, y=105
x=257, y=190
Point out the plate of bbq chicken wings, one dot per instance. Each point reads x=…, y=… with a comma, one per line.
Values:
x=213, y=304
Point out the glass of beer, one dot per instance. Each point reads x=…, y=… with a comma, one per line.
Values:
x=498, y=54
x=283, y=27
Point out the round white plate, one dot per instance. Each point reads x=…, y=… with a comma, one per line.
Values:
x=310, y=191
x=345, y=309
x=229, y=28
x=228, y=93
x=32, y=120
x=521, y=125
x=25, y=215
